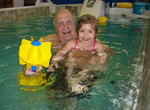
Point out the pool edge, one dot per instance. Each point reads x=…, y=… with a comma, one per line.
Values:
x=143, y=99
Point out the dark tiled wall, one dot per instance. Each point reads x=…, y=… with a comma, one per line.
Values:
x=18, y=12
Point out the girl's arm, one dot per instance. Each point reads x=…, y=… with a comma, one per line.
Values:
x=59, y=55
x=101, y=53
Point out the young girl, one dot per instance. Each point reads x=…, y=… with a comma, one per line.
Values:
x=82, y=53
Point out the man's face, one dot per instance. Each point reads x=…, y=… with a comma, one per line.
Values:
x=65, y=26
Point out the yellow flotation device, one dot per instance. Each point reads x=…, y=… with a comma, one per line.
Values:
x=102, y=19
x=34, y=53
x=124, y=5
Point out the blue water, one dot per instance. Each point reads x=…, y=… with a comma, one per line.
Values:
x=116, y=89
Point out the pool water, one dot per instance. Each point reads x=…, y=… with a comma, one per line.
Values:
x=116, y=89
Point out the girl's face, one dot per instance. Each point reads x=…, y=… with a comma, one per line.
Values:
x=86, y=33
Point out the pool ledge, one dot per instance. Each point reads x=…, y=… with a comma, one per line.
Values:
x=128, y=12
x=144, y=100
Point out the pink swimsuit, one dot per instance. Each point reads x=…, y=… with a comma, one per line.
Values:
x=85, y=50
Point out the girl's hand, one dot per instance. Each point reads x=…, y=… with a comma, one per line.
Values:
x=30, y=72
x=51, y=67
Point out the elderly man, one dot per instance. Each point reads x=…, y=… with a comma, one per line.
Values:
x=64, y=24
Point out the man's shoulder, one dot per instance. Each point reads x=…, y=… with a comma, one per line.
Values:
x=50, y=37
x=72, y=41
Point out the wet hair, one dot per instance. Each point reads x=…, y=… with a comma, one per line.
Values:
x=87, y=19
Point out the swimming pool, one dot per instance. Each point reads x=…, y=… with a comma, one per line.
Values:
x=117, y=88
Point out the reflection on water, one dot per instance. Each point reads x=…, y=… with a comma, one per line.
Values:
x=81, y=67
x=68, y=89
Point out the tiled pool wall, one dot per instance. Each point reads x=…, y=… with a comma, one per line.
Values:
x=30, y=10
x=20, y=11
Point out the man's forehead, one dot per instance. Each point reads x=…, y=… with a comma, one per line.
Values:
x=63, y=18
